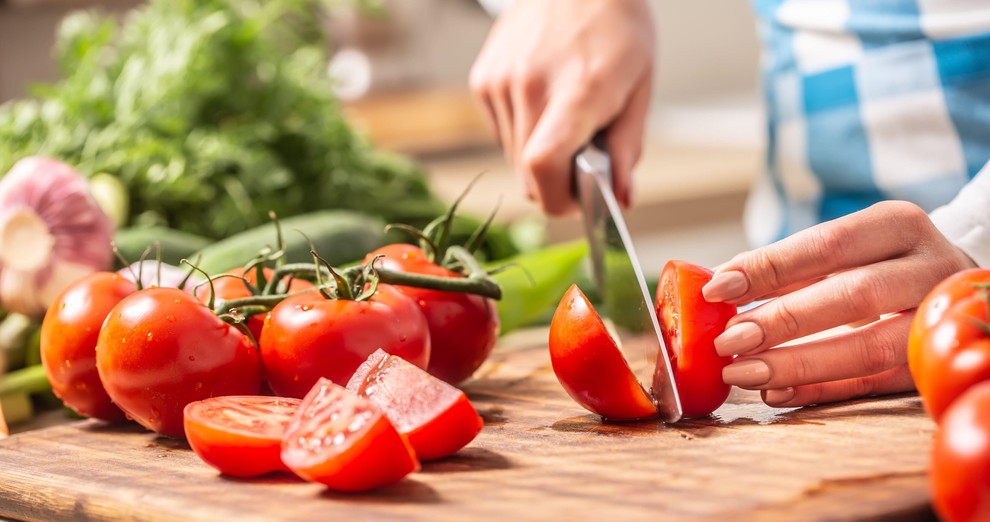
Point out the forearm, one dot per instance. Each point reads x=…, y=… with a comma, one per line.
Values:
x=965, y=221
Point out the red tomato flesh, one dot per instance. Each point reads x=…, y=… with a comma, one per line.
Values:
x=345, y=442
x=590, y=366
x=240, y=436
x=689, y=325
x=437, y=418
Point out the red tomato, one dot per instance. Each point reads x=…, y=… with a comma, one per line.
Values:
x=345, y=442
x=590, y=366
x=308, y=336
x=949, y=344
x=68, y=342
x=960, y=466
x=437, y=418
x=240, y=436
x=161, y=349
x=463, y=327
x=230, y=288
x=690, y=325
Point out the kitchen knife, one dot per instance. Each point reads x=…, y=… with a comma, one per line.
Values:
x=627, y=304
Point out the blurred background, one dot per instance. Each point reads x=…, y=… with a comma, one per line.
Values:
x=402, y=77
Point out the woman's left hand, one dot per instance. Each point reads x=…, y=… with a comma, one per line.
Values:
x=870, y=268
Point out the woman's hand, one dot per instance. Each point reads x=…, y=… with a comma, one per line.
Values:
x=551, y=74
x=873, y=266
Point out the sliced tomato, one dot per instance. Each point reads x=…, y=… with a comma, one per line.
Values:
x=240, y=436
x=590, y=366
x=690, y=325
x=345, y=442
x=437, y=418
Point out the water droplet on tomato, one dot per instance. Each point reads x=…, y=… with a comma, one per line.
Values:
x=61, y=306
x=68, y=363
x=82, y=386
x=306, y=308
x=198, y=386
x=295, y=378
x=170, y=318
x=192, y=358
x=313, y=324
x=150, y=336
x=177, y=301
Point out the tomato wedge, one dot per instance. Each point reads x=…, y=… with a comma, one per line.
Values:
x=590, y=366
x=437, y=418
x=345, y=442
x=240, y=436
x=690, y=325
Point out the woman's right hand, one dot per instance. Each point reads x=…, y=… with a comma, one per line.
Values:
x=552, y=73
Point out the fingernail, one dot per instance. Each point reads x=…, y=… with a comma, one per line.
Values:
x=738, y=339
x=725, y=286
x=749, y=372
x=781, y=396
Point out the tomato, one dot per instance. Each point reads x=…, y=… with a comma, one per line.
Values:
x=345, y=442
x=590, y=366
x=960, y=461
x=160, y=349
x=949, y=343
x=308, y=336
x=68, y=342
x=437, y=418
x=240, y=436
x=689, y=325
x=230, y=288
x=463, y=327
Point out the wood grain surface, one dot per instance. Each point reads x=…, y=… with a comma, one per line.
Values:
x=540, y=457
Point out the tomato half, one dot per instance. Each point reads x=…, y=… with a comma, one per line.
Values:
x=590, y=366
x=345, y=442
x=949, y=343
x=231, y=288
x=463, y=327
x=437, y=418
x=160, y=349
x=240, y=436
x=69, y=334
x=960, y=465
x=690, y=325
x=307, y=337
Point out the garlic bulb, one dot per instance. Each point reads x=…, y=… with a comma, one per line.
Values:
x=51, y=233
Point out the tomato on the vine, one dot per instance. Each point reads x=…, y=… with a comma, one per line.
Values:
x=949, y=343
x=240, y=436
x=231, y=286
x=689, y=325
x=161, y=348
x=309, y=336
x=69, y=334
x=960, y=462
x=345, y=442
x=463, y=327
x=590, y=366
x=437, y=418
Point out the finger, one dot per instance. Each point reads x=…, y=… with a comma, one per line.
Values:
x=870, y=350
x=882, y=231
x=846, y=298
x=567, y=123
x=502, y=107
x=894, y=380
x=528, y=100
x=625, y=140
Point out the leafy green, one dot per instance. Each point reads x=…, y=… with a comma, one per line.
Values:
x=210, y=113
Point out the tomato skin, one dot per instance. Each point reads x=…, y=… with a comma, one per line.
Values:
x=69, y=335
x=689, y=325
x=949, y=347
x=230, y=288
x=463, y=327
x=590, y=366
x=960, y=459
x=437, y=418
x=307, y=337
x=240, y=436
x=345, y=442
x=160, y=349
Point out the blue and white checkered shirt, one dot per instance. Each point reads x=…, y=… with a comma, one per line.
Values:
x=870, y=100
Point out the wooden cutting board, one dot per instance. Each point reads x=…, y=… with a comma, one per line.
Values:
x=540, y=457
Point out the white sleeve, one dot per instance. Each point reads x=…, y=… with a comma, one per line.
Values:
x=495, y=7
x=965, y=221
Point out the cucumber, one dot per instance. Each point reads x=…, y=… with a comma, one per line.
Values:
x=176, y=244
x=339, y=236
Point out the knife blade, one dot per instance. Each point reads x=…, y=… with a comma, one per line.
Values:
x=627, y=308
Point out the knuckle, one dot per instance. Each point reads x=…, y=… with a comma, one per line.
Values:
x=527, y=83
x=831, y=242
x=786, y=322
x=880, y=352
x=865, y=294
x=766, y=269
